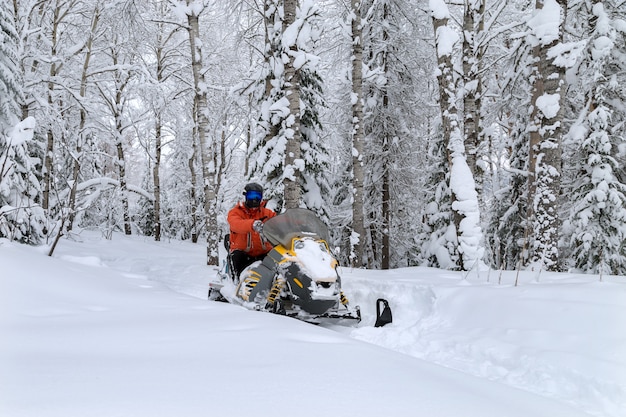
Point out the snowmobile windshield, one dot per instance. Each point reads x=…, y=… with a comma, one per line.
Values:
x=293, y=223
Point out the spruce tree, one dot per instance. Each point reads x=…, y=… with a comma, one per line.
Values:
x=21, y=218
x=268, y=149
x=597, y=219
x=10, y=90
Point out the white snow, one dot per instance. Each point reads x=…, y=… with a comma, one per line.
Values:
x=446, y=36
x=545, y=23
x=567, y=54
x=316, y=259
x=122, y=328
x=439, y=9
x=602, y=47
x=549, y=105
x=464, y=188
x=23, y=131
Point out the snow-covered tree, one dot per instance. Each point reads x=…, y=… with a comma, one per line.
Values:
x=474, y=46
x=265, y=153
x=505, y=189
x=180, y=204
x=506, y=226
x=10, y=88
x=546, y=32
x=206, y=146
x=464, y=199
x=393, y=116
x=597, y=220
x=116, y=93
x=399, y=146
x=437, y=242
x=314, y=156
x=166, y=92
x=21, y=217
x=83, y=132
x=357, y=233
x=286, y=153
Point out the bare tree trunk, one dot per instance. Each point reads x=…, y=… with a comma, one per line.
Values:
x=158, y=138
x=121, y=165
x=47, y=174
x=447, y=88
x=49, y=156
x=358, y=220
x=386, y=154
x=386, y=203
x=292, y=182
x=206, y=149
x=220, y=158
x=545, y=151
x=83, y=120
x=192, y=191
x=248, y=141
x=121, y=81
x=75, y=177
x=156, y=177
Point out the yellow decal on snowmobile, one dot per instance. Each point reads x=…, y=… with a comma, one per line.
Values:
x=343, y=298
x=297, y=281
x=246, y=286
x=286, y=254
x=275, y=291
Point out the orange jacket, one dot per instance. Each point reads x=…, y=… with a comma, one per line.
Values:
x=242, y=236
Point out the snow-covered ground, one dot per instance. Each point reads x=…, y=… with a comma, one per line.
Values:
x=123, y=328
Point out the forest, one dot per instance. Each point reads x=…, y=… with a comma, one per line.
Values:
x=456, y=134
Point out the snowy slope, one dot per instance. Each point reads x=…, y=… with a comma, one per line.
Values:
x=121, y=328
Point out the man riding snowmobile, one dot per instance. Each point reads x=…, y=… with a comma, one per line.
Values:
x=298, y=277
x=246, y=244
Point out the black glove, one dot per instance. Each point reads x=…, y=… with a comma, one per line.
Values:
x=258, y=226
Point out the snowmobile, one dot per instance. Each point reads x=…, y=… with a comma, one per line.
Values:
x=297, y=278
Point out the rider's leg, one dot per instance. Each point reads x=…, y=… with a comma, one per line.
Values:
x=239, y=260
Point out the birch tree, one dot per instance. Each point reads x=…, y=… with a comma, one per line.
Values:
x=55, y=36
x=117, y=100
x=292, y=176
x=357, y=135
x=546, y=130
x=465, y=210
x=381, y=129
x=264, y=88
x=160, y=53
x=286, y=154
x=78, y=157
x=193, y=11
x=58, y=13
x=473, y=55
x=386, y=113
x=162, y=97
